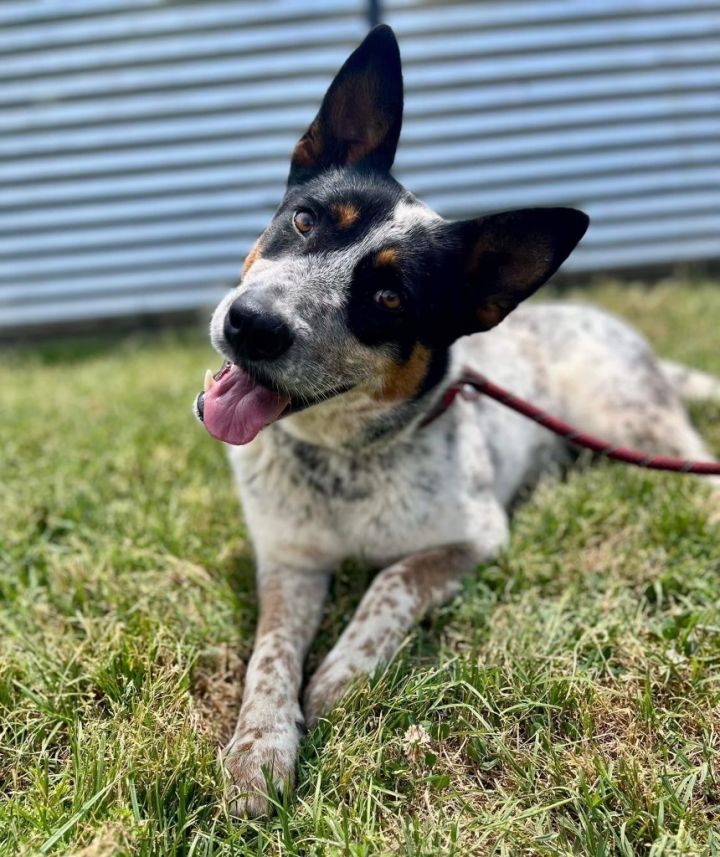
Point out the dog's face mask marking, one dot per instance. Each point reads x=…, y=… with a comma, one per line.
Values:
x=355, y=284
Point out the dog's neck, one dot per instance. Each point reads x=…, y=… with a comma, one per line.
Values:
x=360, y=420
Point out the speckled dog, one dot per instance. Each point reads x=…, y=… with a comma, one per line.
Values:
x=356, y=308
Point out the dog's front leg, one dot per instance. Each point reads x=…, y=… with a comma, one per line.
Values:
x=395, y=601
x=270, y=724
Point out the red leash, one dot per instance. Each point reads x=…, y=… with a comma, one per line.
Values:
x=471, y=385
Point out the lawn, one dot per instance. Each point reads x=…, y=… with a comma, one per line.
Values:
x=567, y=703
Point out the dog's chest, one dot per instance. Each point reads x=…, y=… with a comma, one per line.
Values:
x=380, y=506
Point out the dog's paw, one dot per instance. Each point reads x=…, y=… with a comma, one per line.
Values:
x=259, y=760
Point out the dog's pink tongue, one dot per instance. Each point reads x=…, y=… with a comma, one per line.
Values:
x=236, y=407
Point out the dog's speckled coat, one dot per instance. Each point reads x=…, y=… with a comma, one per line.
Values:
x=354, y=474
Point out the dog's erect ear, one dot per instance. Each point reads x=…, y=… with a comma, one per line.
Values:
x=508, y=256
x=360, y=117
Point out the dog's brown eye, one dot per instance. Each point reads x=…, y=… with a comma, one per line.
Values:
x=388, y=299
x=304, y=221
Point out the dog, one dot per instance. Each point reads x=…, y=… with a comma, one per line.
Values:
x=355, y=310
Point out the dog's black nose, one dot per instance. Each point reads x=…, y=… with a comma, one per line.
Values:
x=254, y=333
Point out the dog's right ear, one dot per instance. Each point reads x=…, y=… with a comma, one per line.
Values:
x=360, y=117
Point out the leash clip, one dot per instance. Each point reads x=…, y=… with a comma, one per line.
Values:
x=469, y=392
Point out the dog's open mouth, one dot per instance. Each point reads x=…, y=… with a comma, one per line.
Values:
x=235, y=407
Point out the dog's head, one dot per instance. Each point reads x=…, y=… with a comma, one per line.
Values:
x=356, y=289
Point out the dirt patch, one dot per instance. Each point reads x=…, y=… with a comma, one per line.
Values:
x=217, y=687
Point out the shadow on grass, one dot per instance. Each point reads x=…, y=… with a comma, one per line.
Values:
x=238, y=573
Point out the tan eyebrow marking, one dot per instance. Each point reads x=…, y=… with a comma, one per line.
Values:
x=251, y=257
x=345, y=214
x=388, y=256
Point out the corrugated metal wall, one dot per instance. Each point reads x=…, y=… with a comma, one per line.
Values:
x=608, y=105
x=144, y=144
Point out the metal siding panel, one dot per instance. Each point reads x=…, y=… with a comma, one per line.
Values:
x=608, y=106
x=143, y=145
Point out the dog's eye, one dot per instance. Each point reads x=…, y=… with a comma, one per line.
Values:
x=388, y=299
x=304, y=221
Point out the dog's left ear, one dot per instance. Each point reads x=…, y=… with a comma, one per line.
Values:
x=360, y=117
x=508, y=256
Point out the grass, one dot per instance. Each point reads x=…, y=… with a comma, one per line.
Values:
x=567, y=703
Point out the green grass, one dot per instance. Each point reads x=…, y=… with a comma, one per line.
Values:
x=567, y=703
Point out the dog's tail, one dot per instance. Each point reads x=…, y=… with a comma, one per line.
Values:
x=691, y=385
